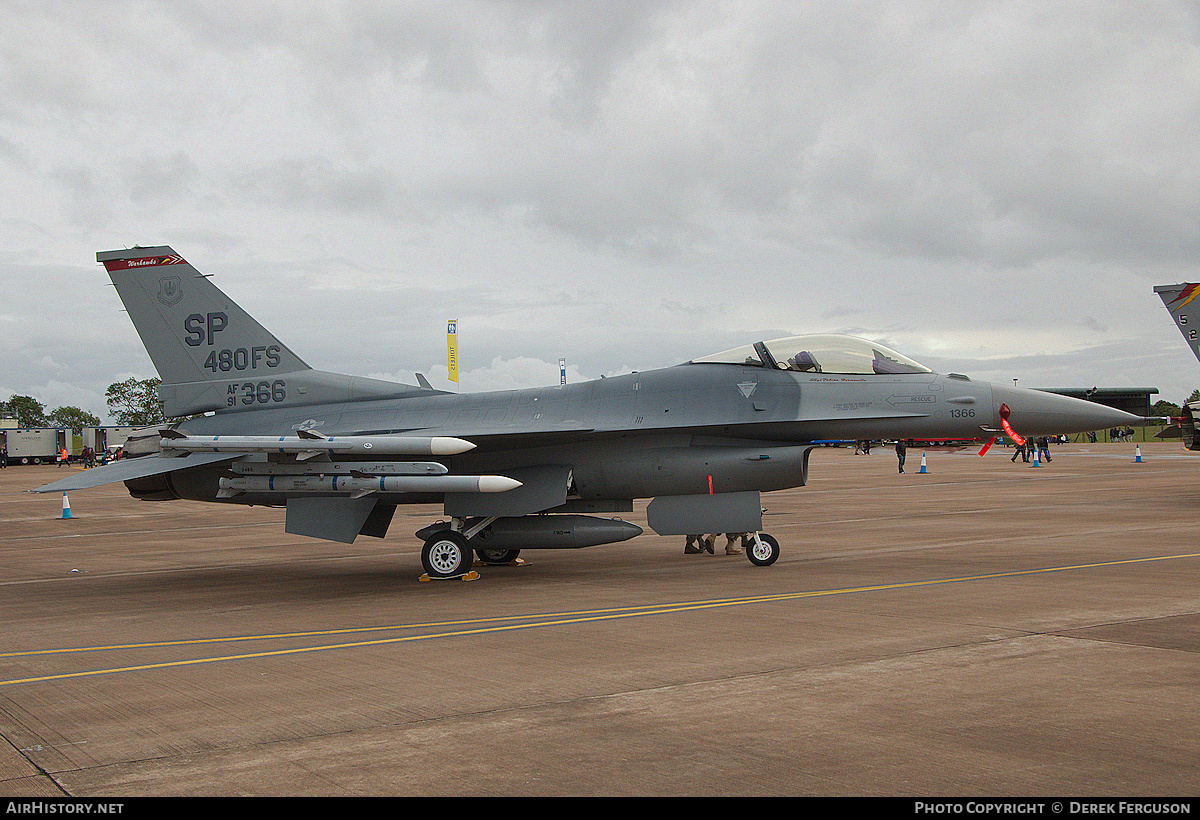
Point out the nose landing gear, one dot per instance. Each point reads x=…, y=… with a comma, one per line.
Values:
x=763, y=550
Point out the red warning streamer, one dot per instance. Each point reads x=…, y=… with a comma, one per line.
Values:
x=1004, y=414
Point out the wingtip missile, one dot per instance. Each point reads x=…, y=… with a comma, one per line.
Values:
x=307, y=446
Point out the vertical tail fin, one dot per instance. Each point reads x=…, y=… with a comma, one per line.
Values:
x=1177, y=299
x=192, y=331
x=211, y=354
x=200, y=341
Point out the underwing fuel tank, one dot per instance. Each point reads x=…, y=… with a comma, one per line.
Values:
x=545, y=532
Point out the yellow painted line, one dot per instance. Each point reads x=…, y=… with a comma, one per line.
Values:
x=282, y=635
x=529, y=621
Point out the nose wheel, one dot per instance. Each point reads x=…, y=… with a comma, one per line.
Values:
x=763, y=550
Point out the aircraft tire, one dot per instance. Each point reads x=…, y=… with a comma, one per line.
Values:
x=446, y=555
x=497, y=556
x=763, y=553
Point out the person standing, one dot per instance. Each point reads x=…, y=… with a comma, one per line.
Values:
x=901, y=452
x=731, y=539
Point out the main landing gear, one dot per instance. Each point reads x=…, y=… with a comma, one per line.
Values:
x=497, y=557
x=446, y=553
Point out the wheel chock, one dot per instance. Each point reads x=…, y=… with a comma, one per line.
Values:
x=467, y=576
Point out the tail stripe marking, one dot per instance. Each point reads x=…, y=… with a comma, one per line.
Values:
x=1191, y=292
x=144, y=262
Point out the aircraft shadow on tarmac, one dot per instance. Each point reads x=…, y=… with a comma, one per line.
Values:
x=262, y=585
x=387, y=576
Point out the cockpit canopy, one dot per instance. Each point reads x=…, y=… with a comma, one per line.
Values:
x=819, y=354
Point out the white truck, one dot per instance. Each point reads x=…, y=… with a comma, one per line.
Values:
x=35, y=445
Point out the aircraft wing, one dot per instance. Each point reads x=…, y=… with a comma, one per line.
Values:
x=130, y=468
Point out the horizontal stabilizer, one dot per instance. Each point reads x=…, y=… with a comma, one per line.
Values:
x=127, y=469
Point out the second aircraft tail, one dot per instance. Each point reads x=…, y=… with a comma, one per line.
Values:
x=1177, y=299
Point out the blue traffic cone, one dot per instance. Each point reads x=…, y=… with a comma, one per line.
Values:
x=1036, y=461
x=66, y=507
x=1137, y=454
x=923, y=470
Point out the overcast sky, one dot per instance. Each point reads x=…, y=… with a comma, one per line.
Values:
x=992, y=188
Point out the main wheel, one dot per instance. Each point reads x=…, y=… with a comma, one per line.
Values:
x=763, y=551
x=497, y=556
x=446, y=555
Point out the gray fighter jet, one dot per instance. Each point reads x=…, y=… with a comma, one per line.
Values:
x=520, y=469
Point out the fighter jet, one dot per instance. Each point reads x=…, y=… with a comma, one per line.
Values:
x=1177, y=299
x=520, y=469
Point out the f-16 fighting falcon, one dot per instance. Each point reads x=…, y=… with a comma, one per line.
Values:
x=520, y=469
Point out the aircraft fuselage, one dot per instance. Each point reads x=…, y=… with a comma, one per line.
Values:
x=659, y=432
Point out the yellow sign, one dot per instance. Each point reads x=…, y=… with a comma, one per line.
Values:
x=452, y=349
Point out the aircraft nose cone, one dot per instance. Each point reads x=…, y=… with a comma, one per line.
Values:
x=1037, y=413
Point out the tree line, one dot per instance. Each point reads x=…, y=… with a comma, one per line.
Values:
x=1169, y=408
x=133, y=403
